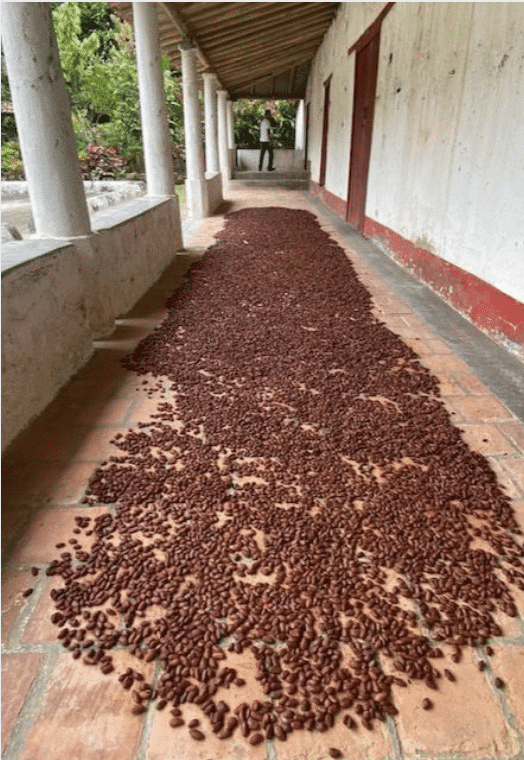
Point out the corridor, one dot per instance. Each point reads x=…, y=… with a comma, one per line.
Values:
x=315, y=469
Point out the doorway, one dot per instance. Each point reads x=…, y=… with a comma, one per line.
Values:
x=366, y=68
x=325, y=130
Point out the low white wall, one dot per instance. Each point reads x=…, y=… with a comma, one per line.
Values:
x=214, y=189
x=286, y=159
x=46, y=335
x=131, y=247
x=447, y=148
x=57, y=296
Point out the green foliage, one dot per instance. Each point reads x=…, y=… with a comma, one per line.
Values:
x=249, y=113
x=97, y=52
x=77, y=55
x=8, y=120
x=12, y=166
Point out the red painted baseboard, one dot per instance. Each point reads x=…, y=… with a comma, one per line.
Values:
x=485, y=305
x=330, y=199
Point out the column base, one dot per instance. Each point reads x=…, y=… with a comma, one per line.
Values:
x=197, y=198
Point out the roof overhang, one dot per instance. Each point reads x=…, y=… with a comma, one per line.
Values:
x=256, y=49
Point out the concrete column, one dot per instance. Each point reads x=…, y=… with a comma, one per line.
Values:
x=43, y=120
x=230, y=126
x=210, y=109
x=155, y=133
x=223, y=150
x=196, y=188
x=300, y=127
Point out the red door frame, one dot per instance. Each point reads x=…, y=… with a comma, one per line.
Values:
x=306, y=146
x=367, y=49
x=325, y=131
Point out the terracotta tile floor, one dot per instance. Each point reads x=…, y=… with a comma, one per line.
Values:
x=57, y=709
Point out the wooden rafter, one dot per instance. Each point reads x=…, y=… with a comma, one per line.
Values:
x=262, y=24
x=245, y=43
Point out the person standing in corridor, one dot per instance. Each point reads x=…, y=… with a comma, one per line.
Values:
x=266, y=126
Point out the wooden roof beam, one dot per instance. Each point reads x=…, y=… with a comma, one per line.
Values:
x=186, y=32
x=262, y=21
x=203, y=13
x=284, y=65
x=282, y=31
x=315, y=33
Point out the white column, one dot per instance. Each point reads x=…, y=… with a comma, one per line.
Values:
x=210, y=110
x=230, y=126
x=153, y=109
x=43, y=120
x=196, y=188
x=300, y=127
x=223, y=150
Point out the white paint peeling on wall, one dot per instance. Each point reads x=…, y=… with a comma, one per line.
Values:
x=447, y=160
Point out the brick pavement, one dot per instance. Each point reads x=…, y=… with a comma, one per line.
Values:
x=55, y=708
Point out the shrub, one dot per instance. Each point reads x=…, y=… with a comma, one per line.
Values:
x=12, y=164
x=101, y=162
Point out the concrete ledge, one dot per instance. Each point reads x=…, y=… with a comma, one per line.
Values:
x=60, y=295
x=214, y=190
x=46, y=336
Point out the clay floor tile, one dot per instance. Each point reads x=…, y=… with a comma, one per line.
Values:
x=353, y=743
x=86, y=715
x=18, y=673
x=445, y=363
x=49, y=527
x=40, y=484
x=511, y=626
x=14, y=518
x=105, y=412
x=473, y=385
x=518, y=597
x=514, y=430
x=14, y=582
x=486, y=438
x=508, y=663
x=449, y=386
x=515, y=467
x=466, y=720
x=481, y=408
x=167, y=743
x=39, y=629
x=147, y=408
x=41, y=444
x=95, y=445
x=505, y=481
x=518, y=508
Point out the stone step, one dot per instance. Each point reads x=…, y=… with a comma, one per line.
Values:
x=289, y=184
x=276, y=175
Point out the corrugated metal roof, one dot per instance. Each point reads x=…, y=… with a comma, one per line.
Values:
x=256, y=49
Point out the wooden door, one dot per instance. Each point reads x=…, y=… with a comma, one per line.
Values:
x=325, y=130
x=366, y=67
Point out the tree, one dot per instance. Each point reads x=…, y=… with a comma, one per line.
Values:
x=8, y=120
x=102, y=79
x=249, y=113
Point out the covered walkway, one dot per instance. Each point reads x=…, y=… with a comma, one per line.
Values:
x=467, y=620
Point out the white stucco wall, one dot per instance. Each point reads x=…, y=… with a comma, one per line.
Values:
x=447, y=154
x=351, y=21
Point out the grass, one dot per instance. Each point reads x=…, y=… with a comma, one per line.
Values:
x=181, y=192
